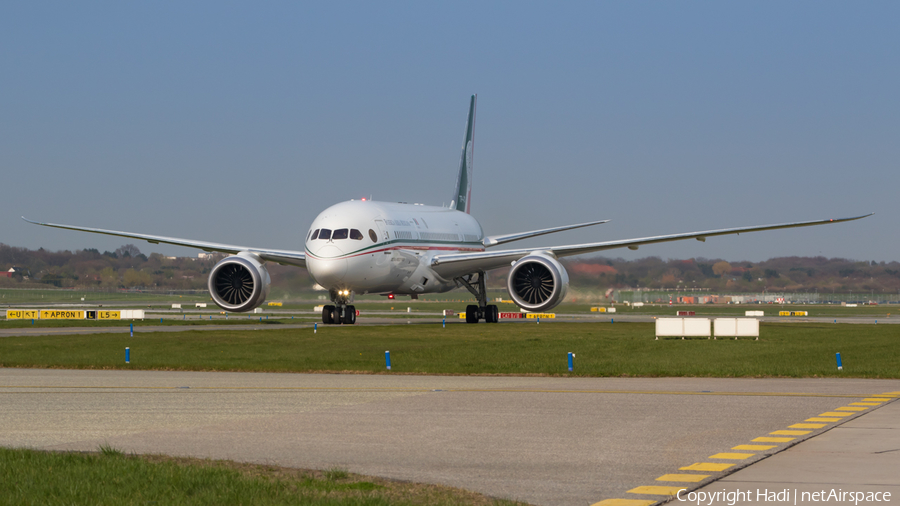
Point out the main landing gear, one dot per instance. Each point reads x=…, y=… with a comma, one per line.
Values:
x=341, y=312
x=483, y=311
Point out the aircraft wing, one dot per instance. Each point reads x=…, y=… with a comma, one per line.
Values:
x=459, y=264
x=495, y=240
x=286, y=257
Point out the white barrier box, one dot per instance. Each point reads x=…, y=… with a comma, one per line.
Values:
x=200, y=304
x=682, y=327
x=736, y=327
x=669, y=327
x=258, y=310
x=176, y=306
x=754, y=313
x=638, y=304
x=610, y=310
x=696, y=327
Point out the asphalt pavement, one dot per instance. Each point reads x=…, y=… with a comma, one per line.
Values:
x=548, y=441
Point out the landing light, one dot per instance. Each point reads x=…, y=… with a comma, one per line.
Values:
x=390, y=296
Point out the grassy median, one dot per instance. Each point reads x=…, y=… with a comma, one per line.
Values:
x=601, y=349
x=110, y=477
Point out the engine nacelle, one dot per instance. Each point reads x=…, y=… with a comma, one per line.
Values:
x=239, y=282
x=538, y=282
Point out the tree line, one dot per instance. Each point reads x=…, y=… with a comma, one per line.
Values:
x=128, y=268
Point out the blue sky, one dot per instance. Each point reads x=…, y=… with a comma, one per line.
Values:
x=240, y=122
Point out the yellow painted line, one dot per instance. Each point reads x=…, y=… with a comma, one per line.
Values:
x=624, y=502
x=820, y=419
x=834, y=413
x=755, y=447
x=807, y=425
x=656, y=490
x=895, y=394
x=790, y=432
x=773, y=439
x=692, y=478
x=705, y=466
x=865, y=404
x=732, y=456
x=875, y=399
x=850, y=408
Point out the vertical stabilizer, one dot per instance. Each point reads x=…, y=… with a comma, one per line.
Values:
x=462, y=197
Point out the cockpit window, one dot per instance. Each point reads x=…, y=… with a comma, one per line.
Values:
x=355, y=234
x=372, y=235
x=325, y=234
x=339, y=234
x=314, y=235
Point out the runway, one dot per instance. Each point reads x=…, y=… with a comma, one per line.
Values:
x=548, y=441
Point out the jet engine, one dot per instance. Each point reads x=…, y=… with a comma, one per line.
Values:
x=537, y=282
x=239, y=282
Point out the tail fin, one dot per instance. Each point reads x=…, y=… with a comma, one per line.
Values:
x=461, y=199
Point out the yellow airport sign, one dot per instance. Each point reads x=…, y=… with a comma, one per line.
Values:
x=598, y=309
x=274, y=303
x=109, y=315
x=21, y=314
x=48, y=314
x=540, y=315
x=792, y=313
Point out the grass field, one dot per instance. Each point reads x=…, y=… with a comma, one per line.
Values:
x=112, y=478
x=601, y=349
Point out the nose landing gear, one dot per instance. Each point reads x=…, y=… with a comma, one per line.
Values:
x=339, y=314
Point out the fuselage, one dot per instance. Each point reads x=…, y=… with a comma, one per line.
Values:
x=380, y=247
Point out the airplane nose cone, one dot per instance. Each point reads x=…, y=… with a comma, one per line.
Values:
x=327, y=269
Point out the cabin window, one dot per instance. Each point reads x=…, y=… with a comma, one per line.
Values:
x=314, y=235
x=325, y=234
x=340, y=233
x=373, y=236
x=356, y=235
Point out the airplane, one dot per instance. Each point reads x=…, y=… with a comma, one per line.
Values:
x=365, y=246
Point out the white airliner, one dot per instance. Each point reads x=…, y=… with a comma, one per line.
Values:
x=364, y=246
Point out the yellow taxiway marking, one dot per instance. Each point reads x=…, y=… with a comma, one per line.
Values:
x=850, y=408
x=807, y=425
x=691, y=478
x=773, y=439
x=623, y=502
x=865, y=404
x=820, y=419
x=732, y=456
x=875, y=399
x=705, y=466
x=790, y=432
x=755, y=447
x=656, y=490
x=834, y=413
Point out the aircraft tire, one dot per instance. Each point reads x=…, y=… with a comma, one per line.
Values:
x=327, y=314
x=349, y=315
x=471, y=314
x=492, y=314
